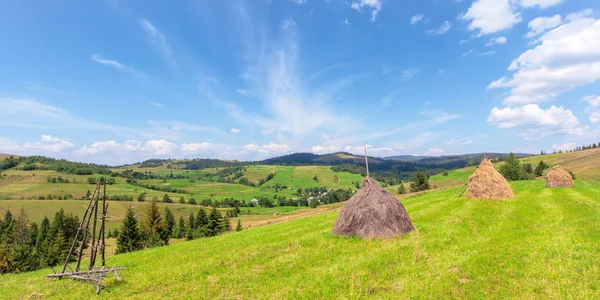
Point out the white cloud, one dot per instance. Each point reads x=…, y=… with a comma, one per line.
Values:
x=469, y=52
x=26, y=113
x=563, y=59
x=373, y=151
x=536, y=122
x=157, y=104
x=408, y=74
x=593, y=108
x=117, y=65
x=290, y=111
x=152, y=147
x=539, y=3
x=564, y=147
x=435, y=152
x=160, y=147
x=416, y=19
x=463, y=42
x=298, y=1
x=196, y=147
x=235, y=130
x=540, y=25
x=287, y=23
x=346, y=22
x=374, y=5
x=324, y=149
x=272, y=148
x=499, y=40
x=47, y=144
x=158, y=40
x=491, y=16
x=579, y=15
x=487, y=53
x=443, y=29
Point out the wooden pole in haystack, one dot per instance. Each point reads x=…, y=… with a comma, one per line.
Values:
x=366, y=161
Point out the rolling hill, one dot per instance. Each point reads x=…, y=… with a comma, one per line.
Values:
x=542, y=244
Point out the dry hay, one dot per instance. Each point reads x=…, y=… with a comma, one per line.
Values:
x=558, y=177
x=372, y=213
x=487, y=183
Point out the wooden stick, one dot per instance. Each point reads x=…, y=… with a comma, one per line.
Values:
x=93, y=250
x=86, y=272
x=366, y=161
x=75, y=240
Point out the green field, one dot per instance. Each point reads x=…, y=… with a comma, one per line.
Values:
x=544, y=243
x=18, y=184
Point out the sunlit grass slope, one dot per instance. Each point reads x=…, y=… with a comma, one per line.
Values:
x=545, y=243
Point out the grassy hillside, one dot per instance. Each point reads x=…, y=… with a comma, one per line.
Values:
x=545, y=243
x=584, y=164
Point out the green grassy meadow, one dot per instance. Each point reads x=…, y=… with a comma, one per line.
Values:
x=544, y=243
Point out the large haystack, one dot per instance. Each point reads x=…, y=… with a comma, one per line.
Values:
x=373, y=213
x=487, y=183
x=558, y=177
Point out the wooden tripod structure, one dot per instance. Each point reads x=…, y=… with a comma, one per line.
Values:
x=98, y=243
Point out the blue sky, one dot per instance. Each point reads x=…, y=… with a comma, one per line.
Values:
x=122, y=81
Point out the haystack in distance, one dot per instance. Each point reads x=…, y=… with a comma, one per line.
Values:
x=487, y=183
x=558, y=177
x=372, y=213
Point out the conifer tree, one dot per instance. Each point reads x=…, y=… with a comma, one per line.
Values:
x=420, y=182
x=170, y=222
x=401, y=189
x=182, y=200
x=154, y=227
x=215, y=223
x=181, y=229
x=239, y=225
x=129, y=239
x=24, y=258
x=201, y=219
x=192, y=222
x=512, y=169
x=226, y=223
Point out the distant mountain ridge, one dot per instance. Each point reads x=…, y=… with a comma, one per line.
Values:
x=471, y=157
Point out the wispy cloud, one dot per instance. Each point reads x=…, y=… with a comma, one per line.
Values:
x=416, y=19
x=158, y=40
x=26, y=113
x=160, y=105
x=374, y=5
x=117, y=65
x=443, y=29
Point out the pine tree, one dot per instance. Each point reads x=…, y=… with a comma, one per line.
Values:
x=192, y=222
x=24, y=258
x=215, y=223
x=420, y=182
x=227, y=223
x=182, y=200
x=154, y=227
x=130, y=238
x=239, y=225
x=141, y=197
x=166, y=199
x=181, y=228
x=201, y=219
x=511, y=169
x=401, y=189
x=6, y=258
x=170, y=222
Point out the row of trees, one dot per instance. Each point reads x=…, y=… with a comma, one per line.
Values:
x=26, y=246
x=156, y=229
x=513, y=170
